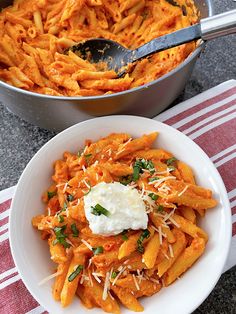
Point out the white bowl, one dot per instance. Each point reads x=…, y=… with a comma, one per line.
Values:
x=31, y=254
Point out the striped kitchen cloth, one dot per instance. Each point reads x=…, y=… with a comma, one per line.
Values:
x=209, y=119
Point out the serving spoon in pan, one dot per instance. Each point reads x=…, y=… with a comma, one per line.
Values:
x=117, y=57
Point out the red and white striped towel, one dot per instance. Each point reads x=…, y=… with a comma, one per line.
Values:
x=209, y=119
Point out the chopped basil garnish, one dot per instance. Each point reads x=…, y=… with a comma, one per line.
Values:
x=75, y=273
x=153, y=196
x=79, y=153
x=160, y=208
x=153, y=179
x=142, y=164
x=137, y=169
x=87, y=157
x=149, y=166
x=124, y=235
x=97, y=250
x=126, y=180
x=89, y=189
x=70, y=197
x=74, y=230
x=172, y=2
x=51, y=194
x=60, y=219
x=64, y=206
x=145, y=235
x=60, y=236
x=170, y=161
x=99, y=210
x=113, y=274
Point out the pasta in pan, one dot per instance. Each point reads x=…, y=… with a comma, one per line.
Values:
x=34, y=35
x=104, y=269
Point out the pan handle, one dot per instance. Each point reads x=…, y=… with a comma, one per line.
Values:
x=218, y=25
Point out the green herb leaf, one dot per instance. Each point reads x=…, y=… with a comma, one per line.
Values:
x=171, y=168
x=124, y=235
x=153, y=179
x=113, y=274
x=60, y=219
x=126, y=180
x=61, y=236
x=87, y=157
x=89, y=188
x=64, y=206
x=97, y=250
x=170, y=161
x=51, y=194
x=153, y=196
x=148, y=164
x=74, y=230
x=99, y=210
x=137, y=169
x=172, y=2
x=70, y=197
x=75, y=273
x=140, y=248
x=79, y=153
x=142, y=164
x=160, y=208
x=144, y=235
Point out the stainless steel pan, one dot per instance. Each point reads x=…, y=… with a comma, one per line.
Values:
x=58, y=113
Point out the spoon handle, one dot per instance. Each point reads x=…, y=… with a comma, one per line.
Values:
x=209, y=28
x=218, y=25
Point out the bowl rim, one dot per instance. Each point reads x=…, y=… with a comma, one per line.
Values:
x=227, y=216
x=191, y=56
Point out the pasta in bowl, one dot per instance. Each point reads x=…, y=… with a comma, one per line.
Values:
x=34, y=35
x=106, y=265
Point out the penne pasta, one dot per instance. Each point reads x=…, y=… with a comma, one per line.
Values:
x=100, y=258
x=55, y=26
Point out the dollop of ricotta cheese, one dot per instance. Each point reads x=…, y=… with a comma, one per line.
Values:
x=125, y=205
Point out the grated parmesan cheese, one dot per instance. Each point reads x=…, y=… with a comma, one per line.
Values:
x=84, y=169
x=160, y=234
x=87, y=244
x=157, y=182
x=110, y=295
x=68, y=241
x=90, y=279
x=136, y=283
x=65, y=186
x=154, y=280
x=90, y=262
x=171, y=250
x=42, y=282
x=106, y=286
x=119, y=274
x=167, y=216
x=184, y=190
x=166, y=255
x=96, y=277
x=174, y=222
x=88, y=186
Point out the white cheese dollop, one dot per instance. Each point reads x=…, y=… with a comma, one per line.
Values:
x=126, y=207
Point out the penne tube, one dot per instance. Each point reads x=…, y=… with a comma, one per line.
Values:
x=151, y=251
x=185, y=260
